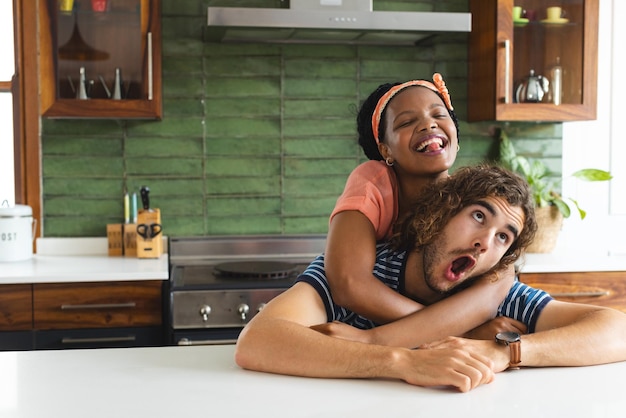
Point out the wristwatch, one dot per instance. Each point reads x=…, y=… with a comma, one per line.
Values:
x=514, y=341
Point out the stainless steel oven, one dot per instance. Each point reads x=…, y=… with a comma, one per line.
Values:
x=218, y=283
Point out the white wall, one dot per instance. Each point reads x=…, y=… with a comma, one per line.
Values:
x=600, y=144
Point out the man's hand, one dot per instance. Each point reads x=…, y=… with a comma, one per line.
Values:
x=446, y=366
x=347, y=332
x=489, y=329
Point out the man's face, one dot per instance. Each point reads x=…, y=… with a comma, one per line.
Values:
x=471, y=244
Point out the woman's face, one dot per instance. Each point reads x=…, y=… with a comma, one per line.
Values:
x=420, y=135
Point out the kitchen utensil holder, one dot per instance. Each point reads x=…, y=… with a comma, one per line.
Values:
x=130, y=240
x=115, y=239
x=149, y=247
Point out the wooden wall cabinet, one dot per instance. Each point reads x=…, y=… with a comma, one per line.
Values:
x=502, y=52
x=606, y=288
x=81, y=41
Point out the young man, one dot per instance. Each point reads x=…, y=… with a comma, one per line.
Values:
x=477, y=221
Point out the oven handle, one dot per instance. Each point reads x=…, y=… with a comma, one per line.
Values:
x=187, y=341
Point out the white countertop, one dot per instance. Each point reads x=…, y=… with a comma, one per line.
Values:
x=204, y=381
x=571, y=262
x=62, y=260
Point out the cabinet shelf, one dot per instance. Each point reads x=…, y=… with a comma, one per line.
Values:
x=90, y=49
x=502, y=54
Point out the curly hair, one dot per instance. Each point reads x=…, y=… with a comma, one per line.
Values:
x=364, y=121
x=442, y=200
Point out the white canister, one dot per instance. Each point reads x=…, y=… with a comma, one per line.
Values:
x=17, y=231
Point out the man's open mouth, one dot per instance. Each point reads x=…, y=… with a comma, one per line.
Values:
x=460, y=266
x=432, y=144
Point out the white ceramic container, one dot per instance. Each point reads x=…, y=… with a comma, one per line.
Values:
x=17, y=230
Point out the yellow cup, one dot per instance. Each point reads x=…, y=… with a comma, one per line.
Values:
x=517, y=12
x=554, y=13
x=66, y=5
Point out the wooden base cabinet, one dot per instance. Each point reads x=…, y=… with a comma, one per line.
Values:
x=81, y=315
x=595, y=288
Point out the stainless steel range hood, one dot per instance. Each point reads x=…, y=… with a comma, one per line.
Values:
x=330, y=21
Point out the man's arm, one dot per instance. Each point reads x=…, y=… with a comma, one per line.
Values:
x=279, y=340
x=571, y=334
x=567, y=334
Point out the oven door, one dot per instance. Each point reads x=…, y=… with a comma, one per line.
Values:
x=214, y=316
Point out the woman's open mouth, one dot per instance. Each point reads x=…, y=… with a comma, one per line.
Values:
x=432, y=144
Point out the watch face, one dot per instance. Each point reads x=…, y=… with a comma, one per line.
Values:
x=508, y=337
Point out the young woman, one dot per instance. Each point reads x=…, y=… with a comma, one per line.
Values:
x=409, y=131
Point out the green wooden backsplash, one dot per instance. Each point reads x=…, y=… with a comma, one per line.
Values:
x=256, y=138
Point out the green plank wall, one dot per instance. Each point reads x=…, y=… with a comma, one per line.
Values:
x=255, y=138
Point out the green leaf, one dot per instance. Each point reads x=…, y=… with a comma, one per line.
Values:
x=581, y=212
x=563, y=207
x=592, y=174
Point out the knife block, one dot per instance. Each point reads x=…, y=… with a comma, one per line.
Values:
x=149, y=247
x=115, y=241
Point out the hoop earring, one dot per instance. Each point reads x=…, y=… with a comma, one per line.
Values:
x=389, y=162
x=458, y=147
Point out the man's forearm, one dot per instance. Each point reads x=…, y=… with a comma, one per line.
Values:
x=284, y=347
x=596, y=338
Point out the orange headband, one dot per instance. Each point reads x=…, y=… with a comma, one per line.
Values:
x=439, y=86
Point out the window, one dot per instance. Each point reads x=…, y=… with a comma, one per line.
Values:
x=7, y=69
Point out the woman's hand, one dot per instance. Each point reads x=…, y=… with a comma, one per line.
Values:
x=489, y=329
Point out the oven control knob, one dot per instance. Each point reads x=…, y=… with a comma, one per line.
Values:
x=260, y=307
x=205, y=311
x=243, y=310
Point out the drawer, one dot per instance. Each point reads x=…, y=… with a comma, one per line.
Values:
x=99, y=338
x=97, y=305
x=16, y=307
x=595, y=288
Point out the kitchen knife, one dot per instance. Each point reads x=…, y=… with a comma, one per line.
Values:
x=145, y=198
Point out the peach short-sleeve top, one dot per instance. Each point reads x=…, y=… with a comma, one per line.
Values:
x=372, y=189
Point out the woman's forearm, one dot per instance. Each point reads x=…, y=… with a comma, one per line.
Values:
x=452, y=316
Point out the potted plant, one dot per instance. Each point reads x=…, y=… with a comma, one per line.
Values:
x=550, y=206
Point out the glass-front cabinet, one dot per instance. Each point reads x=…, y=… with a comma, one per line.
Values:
x=100, y=59
x=533, y=60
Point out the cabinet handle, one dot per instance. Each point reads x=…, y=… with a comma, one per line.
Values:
x=69, y=340
x=99, y=306
x=188, y=342
x=150, y=85
x=580, y=294
x=507, y=71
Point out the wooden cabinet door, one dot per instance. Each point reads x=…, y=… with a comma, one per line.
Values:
x=16, y=307
x=97, y=305
x=81, y=40
x=503, y=52
x=595, y=288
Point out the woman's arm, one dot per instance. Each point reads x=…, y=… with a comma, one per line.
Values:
x=278, y=340
x=349, y=261
x=454, y=316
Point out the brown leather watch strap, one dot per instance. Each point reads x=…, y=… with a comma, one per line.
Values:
x=516, y=354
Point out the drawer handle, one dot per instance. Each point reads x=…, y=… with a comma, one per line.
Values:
x=579, y=294
x=188, y=342
x=69, y=340
x=99, y=306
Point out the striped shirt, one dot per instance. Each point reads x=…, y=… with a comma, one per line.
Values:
x=522, y=303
